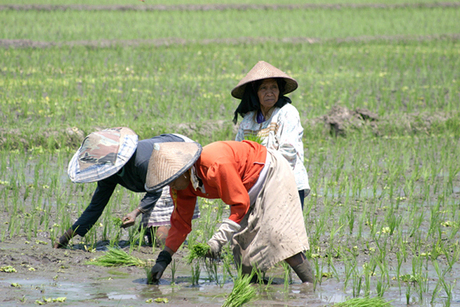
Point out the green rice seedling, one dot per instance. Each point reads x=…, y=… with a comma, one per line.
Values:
x=351, y=220
x=357, y=284
x=196, y=272
x=408, y=289
x=197, y=254
x=242, y=292
x=364, y=302
x=448, y=287
x=117, y=257
x=287, y=275
x=173, y=270
x=148, y=273
x=254, y=138
x=197, y=251
x=452, y=257
x=227, y=260
x=350, y=267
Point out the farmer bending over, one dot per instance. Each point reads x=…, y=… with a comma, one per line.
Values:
x=266, y=223
x=114, y=156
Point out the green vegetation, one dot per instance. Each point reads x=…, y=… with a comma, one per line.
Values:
x=243, y=292
x=70, y=25
x=117, y=257
x=383, y=213
x=72, y=91
x=199, y=2
x=197, y=251
x=364, y=302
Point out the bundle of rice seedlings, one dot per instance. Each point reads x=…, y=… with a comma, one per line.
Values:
x=197, y=251
x=364, y=302
x=117, y=257
x=254, y=138
x=149, y=276
x=242, y=292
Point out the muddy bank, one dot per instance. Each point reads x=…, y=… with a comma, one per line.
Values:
x=339, y=121
x=44, y=275
x=220, y=7
x=109, y=43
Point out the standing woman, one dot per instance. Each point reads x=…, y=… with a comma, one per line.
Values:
x=269, y=117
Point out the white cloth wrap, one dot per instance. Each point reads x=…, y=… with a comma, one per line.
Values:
x=274, y=228
x=223, y=235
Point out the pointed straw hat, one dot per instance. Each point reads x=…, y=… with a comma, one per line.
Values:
x=263, y=70
x=102, y=154
x=168, y=161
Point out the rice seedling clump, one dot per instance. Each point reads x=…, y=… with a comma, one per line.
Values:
x=242, y=291
x=364, y=302
x=197, y=251
x=117, y=257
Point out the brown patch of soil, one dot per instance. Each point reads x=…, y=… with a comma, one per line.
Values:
x=341, y=119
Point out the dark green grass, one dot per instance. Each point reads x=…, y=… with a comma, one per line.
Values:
x=173, y=88
x=185, y=2
x=70, y=25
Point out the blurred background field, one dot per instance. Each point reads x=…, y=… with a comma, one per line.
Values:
x=384, y=209
x=160, y=69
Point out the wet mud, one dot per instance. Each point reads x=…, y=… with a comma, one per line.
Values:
x=43, y=273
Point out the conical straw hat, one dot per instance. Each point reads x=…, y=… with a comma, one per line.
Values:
x=264, y=70
x=102, y=154
x=169, y=161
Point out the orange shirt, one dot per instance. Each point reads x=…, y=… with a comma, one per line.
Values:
x=228, y=170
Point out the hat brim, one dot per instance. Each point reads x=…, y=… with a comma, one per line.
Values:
x=261, y=71
x=95, y=170
x=291, y=85
x=169, y=161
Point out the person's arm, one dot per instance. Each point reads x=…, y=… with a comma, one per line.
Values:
x=290, y=134
x=91, y=214
x=181, y=218
x=181, y=225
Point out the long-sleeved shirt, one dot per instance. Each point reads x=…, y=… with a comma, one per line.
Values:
x=227, y=170
x=282, y=132
x=131, y=176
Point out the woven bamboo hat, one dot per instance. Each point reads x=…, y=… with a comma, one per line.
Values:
x=264, y=70
x=102, y=154
x=168, y=161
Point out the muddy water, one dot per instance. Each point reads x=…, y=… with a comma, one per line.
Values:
x=63, y=273
x=45, y=273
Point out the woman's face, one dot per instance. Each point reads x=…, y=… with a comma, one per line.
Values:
x=268, y=94
x=181, y=183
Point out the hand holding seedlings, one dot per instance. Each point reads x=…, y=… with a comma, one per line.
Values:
x=129, y=219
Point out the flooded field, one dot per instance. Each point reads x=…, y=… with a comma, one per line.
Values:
x=62, y=274
x=382, y=221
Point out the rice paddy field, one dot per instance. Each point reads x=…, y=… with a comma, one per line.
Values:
x=379, y=96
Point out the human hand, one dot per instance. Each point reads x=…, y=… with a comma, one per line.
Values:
x=163, y=260
x=64, y=239
x=129, y=219
x=60, y=243
x=222, y=236
x=214, y=250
